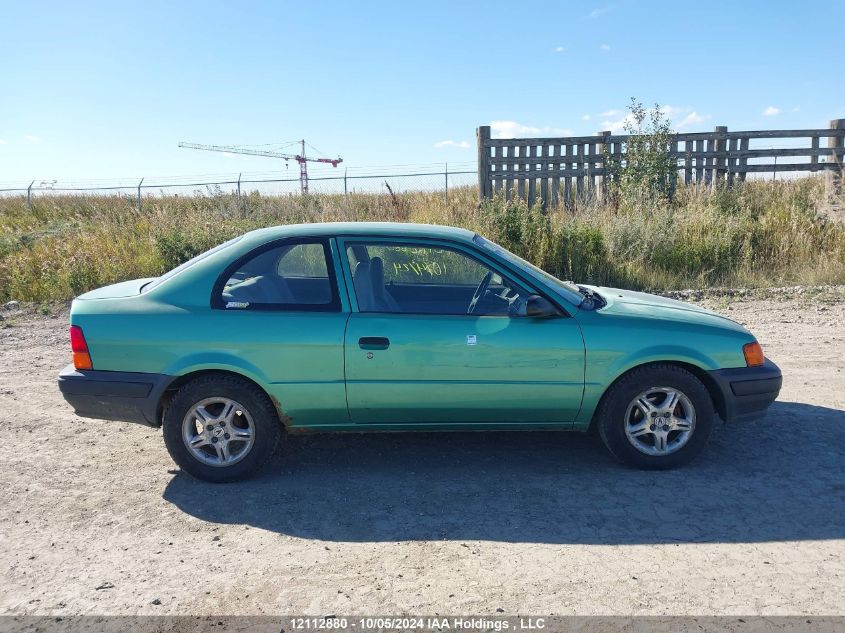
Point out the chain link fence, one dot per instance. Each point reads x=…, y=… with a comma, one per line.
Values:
x=424, y=178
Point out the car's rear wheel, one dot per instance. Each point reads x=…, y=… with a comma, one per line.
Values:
x=656, y=417
x=221, y=428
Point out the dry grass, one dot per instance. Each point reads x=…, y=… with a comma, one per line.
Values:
x=757, y=234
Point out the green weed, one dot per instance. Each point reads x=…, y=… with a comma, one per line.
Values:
x=755, y=234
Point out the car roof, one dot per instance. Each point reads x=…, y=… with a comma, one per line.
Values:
x=386, y=229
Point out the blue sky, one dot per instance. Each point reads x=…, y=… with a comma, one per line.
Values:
x=107, y=89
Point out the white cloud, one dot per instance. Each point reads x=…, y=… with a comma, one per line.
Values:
x=512, y=129
x=796, y=109
x=771, y=111
x=450, y=143
x=560, y=49
x=586, y=117
x=681, y=117
x=617, y=126
x=599, y=11
x=31, y=138
x=605, y=47
x=693, y=118
x=2, y=141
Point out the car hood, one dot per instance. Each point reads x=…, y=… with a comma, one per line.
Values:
x=643, y=305
x=115, y=291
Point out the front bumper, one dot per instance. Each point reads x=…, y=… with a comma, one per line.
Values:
x=114, y=395
x=747, y=391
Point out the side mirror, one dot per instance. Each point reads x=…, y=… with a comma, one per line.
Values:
x=540, y=307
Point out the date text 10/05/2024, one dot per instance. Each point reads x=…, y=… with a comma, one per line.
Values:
x=418, y=623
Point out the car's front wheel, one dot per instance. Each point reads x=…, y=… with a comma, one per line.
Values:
x=656, y=417
x=221, y=428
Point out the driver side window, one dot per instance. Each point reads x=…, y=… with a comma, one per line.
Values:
x=415, y=278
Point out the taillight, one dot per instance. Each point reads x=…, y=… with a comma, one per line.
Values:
x=753, y=354
x=81, y=356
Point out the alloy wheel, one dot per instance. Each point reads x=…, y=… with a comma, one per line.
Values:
x=218, y=431
x=659, y=421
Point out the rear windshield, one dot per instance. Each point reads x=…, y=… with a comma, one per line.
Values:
x=155, y=282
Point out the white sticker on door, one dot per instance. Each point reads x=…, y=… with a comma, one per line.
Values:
x=471, y=340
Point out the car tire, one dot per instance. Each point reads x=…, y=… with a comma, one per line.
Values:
x=645, y=426
x=221, y=428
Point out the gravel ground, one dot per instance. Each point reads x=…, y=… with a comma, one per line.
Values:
x=95, y=519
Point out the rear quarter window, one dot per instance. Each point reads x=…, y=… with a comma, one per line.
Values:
x=286, y=276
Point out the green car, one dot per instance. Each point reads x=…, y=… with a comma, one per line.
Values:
x=400, y=327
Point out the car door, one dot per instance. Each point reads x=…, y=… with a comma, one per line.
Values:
x=280, y=316
x=414, y=356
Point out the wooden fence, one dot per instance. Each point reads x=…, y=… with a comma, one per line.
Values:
x=554, y=170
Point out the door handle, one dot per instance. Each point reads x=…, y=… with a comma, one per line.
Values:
x=373, y=342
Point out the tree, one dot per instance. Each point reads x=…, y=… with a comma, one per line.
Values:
x=646, y=170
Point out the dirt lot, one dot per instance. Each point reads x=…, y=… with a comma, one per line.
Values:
x=95, y=519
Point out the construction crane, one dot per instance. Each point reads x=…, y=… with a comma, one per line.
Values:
x=300, y=158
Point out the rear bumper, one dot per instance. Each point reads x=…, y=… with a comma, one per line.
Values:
x=114, y=395
x=748, y=391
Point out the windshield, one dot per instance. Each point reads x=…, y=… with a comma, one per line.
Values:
x=570, y=290
x=155, y=282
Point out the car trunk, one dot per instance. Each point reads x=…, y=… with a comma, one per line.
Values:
x=115, y=291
